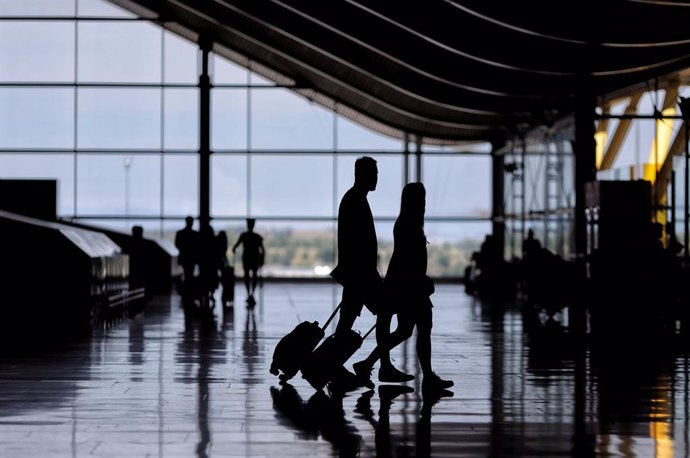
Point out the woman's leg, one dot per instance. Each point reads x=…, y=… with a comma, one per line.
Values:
x=431, y=382
x=424, y=324
x=403, y=332
x=385, y=340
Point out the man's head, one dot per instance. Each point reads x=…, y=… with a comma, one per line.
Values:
x=366, y=173
x=250, y=223
x=188, y=222
x=138, y=232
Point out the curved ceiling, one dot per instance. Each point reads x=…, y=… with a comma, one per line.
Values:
x=462, y=70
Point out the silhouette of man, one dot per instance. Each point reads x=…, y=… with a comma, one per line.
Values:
x=357, y=247
x=137, y=259
x=186, y=241
x=253, y=253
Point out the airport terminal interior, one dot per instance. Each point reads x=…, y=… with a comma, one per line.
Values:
x=174, y=176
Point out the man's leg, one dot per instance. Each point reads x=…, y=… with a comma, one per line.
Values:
x=363, y=368
x=187, y=272
x=247, y=279
x=350, y=308
x=255, y=278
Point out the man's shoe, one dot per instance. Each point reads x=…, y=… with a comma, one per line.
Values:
x=435, y=383
x=393, y=375
x=363, y=372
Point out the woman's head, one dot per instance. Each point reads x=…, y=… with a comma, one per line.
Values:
x=413, y=201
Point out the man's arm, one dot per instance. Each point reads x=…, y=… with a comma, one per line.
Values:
x=239, y=240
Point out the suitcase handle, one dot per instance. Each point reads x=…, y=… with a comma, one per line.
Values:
x=369, y=332
x=330, y=318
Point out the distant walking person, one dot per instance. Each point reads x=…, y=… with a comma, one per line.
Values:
x=209, y=263
x=187, y=243
x=407, y=290
x=357, y=247
x=253, y=254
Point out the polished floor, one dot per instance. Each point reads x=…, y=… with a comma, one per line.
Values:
x=163, y=384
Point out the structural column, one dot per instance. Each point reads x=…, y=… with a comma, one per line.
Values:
x=584, y=148
x=418, y=157
x=498, y=225
x=205, y=46
x=585, y=161
x=406, y=158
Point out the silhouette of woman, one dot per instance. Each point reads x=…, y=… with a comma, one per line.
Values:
x=407, y=289
x=252, y=258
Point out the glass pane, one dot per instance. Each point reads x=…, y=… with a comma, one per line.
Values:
x=354, y=136
x=534, y=183
x=457, y=186
x=258, y=80
x=227, y=72
x=181, y=119
x=37, y=118
x=228, y=119
x=385, y=200
x=181, y=185
x=293, y=249
x=119, y=118
x=101, y=8
x=127, y=52
x=52, y=166
x=228, y=185
x=283, y=120
x=451, y=245
x=152, y=228
x=36, y=7
x=36, y=51
x=114, y=184
x=637, y=145
x=180, y=60
x=291, y=185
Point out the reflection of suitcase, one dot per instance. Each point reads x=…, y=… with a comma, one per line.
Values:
x=227, y=280
x=293, y=349
x=326, y=362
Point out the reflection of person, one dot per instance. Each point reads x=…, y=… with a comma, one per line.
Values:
x=186, y=241
x=357, y=247
x=407, y=289
x=253, y=253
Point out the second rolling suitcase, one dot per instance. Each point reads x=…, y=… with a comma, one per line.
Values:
x=326, y=362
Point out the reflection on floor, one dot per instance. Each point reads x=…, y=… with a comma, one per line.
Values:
x=166, y=384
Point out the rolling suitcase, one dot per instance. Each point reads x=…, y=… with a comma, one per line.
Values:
x=326, y=362
x=294, y=349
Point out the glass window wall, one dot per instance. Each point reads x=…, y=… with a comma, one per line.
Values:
x=108, y=104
